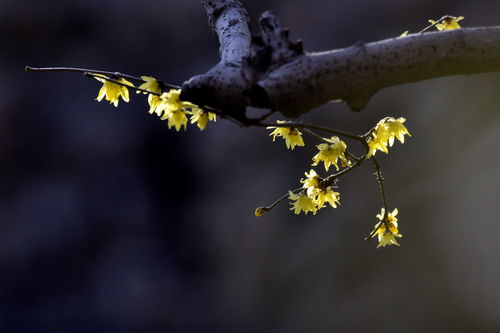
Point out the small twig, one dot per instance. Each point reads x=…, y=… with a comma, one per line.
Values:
x=92, y=71
x=330, y=180
x=121, y=83
x=435, y=23
x=380, y=180
x=316, y=127
x=313, y=134
x=274, y=204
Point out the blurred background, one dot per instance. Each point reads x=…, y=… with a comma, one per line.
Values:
x=109, y=222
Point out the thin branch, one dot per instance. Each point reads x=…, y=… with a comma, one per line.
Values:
x=354, y=74
x=330, y=180
x=315, y=127
x=444, y=18
x=121, y=83
x=313, y=134
x=281, y=199
x=93, y=71
x=380, y=180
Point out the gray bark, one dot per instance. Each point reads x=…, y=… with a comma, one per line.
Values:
x=271, y=72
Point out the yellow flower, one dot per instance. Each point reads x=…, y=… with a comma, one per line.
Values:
x=176, y=118
x=387, y=229
x=151, y=84
x=111, y=90
x=292, y=136
x=301, y=202
x=327, y=195
x=448, y=23
x=319, y=194
x=174, y=110
x=331, y=152
x=384, y=133
x=202, y=118
x=311, y=183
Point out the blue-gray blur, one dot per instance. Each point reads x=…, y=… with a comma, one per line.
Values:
x=109, y=222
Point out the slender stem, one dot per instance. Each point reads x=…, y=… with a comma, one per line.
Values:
x=437, y=22
x=316, y=127
x=121, y=84
x=93, y=71
x=274, y=204
x=330, y=180
x=313, y=134
x=380, y=180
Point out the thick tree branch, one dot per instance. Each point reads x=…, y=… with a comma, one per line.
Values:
x=222, y=86
x=271, y=72
x=354, y=74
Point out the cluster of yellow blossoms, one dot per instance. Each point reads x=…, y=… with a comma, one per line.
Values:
x=314, y=195
x=387, y=228
x=167, y=106
x=316, y=192
x=384, y=133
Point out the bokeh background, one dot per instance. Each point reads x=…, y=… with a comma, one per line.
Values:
x=109, y=222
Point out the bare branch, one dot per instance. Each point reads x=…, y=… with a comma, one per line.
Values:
x=271, y=72
x=229, y=20
x=355, y=73
x=222, y=86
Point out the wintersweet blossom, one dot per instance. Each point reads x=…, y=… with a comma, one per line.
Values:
x=292, y=136
x=112, y=91
x=152, y=85
x=384, y=133
x=174, y=110
x=301, y=202
x=330, y=153
x=387, y=229
x=327, y=196
x=317, y=192
x=201, y=118
x=311, y=183
x=448, y=23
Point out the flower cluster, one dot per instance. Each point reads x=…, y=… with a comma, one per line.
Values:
x=166, y=105
x=448, y=23
x=314, y=195
x=317, y=192
x=384, y=133
x=387, y=228
x=292, y=136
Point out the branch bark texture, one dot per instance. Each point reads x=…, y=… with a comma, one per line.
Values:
x=221, y=87
x=354, y=74
x=271, y=72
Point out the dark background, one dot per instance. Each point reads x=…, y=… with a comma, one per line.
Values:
x=109, y=222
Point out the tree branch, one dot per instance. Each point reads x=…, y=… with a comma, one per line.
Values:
x=221, y=87
x=355, y=73
x=269, y=71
